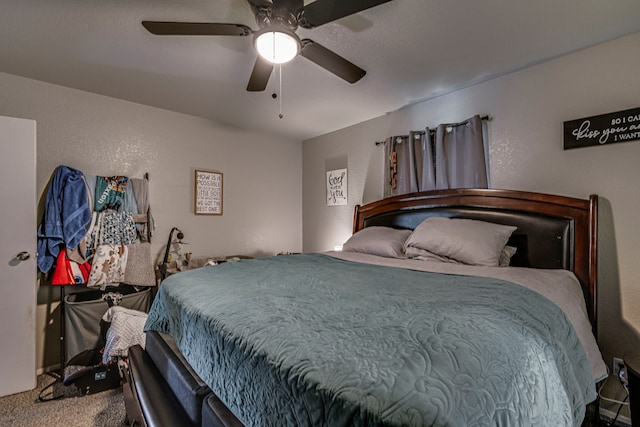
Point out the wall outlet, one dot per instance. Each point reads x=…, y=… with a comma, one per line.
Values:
x=618, y=366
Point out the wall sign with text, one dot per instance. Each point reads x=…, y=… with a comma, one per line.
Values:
x=208, y=193
x=621, y=126
x=337, y=187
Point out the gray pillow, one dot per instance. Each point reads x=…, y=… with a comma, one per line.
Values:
x=424, y=255
x=382, y=241
x=465, y=240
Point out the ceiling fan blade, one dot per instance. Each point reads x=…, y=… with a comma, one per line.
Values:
x=260, y=75
x=196, y=29
x=293, y=6
x=331, y=61
x=323, y=11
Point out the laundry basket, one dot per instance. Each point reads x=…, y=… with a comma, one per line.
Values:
x=84, y=310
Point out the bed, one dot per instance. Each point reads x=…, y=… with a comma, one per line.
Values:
x=368, y=336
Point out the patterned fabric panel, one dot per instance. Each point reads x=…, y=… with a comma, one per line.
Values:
x=117, y=228
x=109, y=265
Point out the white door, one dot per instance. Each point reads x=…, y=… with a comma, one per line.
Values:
x=17, y=255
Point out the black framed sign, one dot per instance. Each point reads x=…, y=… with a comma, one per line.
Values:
x=208, y=193
x=621, y=126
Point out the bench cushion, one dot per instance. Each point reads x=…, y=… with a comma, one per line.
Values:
x=187, y=386
x=216, y=414
x=158, y=404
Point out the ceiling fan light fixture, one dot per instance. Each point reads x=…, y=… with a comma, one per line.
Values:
x=276, y=44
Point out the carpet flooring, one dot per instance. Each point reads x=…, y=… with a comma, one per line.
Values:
x=68, y=409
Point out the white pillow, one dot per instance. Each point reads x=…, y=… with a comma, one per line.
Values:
x=465, y=240
x=382, y=241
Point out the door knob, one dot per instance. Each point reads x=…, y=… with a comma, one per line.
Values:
x=23, y=256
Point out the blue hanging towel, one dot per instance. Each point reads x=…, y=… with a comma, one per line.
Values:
x=66, y=216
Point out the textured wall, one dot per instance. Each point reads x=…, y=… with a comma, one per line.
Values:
x=525, y=153
x=106, y=136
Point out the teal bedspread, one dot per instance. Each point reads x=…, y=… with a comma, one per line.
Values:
x=310, y=340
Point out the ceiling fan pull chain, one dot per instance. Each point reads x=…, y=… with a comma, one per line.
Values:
x=280, y=72
x=275, y=90
x=273, y=85
x=273, y=48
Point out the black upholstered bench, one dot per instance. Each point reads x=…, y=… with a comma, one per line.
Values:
x=150, y=403
x=162, y=389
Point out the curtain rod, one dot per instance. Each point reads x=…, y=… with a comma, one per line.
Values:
x=432, y=131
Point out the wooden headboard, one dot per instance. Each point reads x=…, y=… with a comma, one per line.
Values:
x=552, y=231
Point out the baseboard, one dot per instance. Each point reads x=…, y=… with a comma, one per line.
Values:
x=621, y=420
x=46, y=369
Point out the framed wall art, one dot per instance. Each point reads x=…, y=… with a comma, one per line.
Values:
x=208, y=193
x=337, y=187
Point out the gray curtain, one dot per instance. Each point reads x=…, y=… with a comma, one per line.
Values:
x=410, y=164
x=460, y=160
x=452, y=156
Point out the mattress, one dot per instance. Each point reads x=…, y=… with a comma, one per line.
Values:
x=312, y=339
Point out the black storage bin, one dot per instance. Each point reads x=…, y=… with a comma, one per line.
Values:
x=84, y=310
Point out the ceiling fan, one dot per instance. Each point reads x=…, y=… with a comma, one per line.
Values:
x=278, y=21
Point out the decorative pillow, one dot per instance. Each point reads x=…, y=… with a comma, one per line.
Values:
x=139, y=270
x=108, y=265
x=382, y=241
x=465, y=240
x=505, y=256
x=424, y=255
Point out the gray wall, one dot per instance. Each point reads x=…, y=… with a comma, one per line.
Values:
x=105, y=136
x=525, y=153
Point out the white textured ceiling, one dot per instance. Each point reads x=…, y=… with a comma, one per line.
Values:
x=412, y=50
